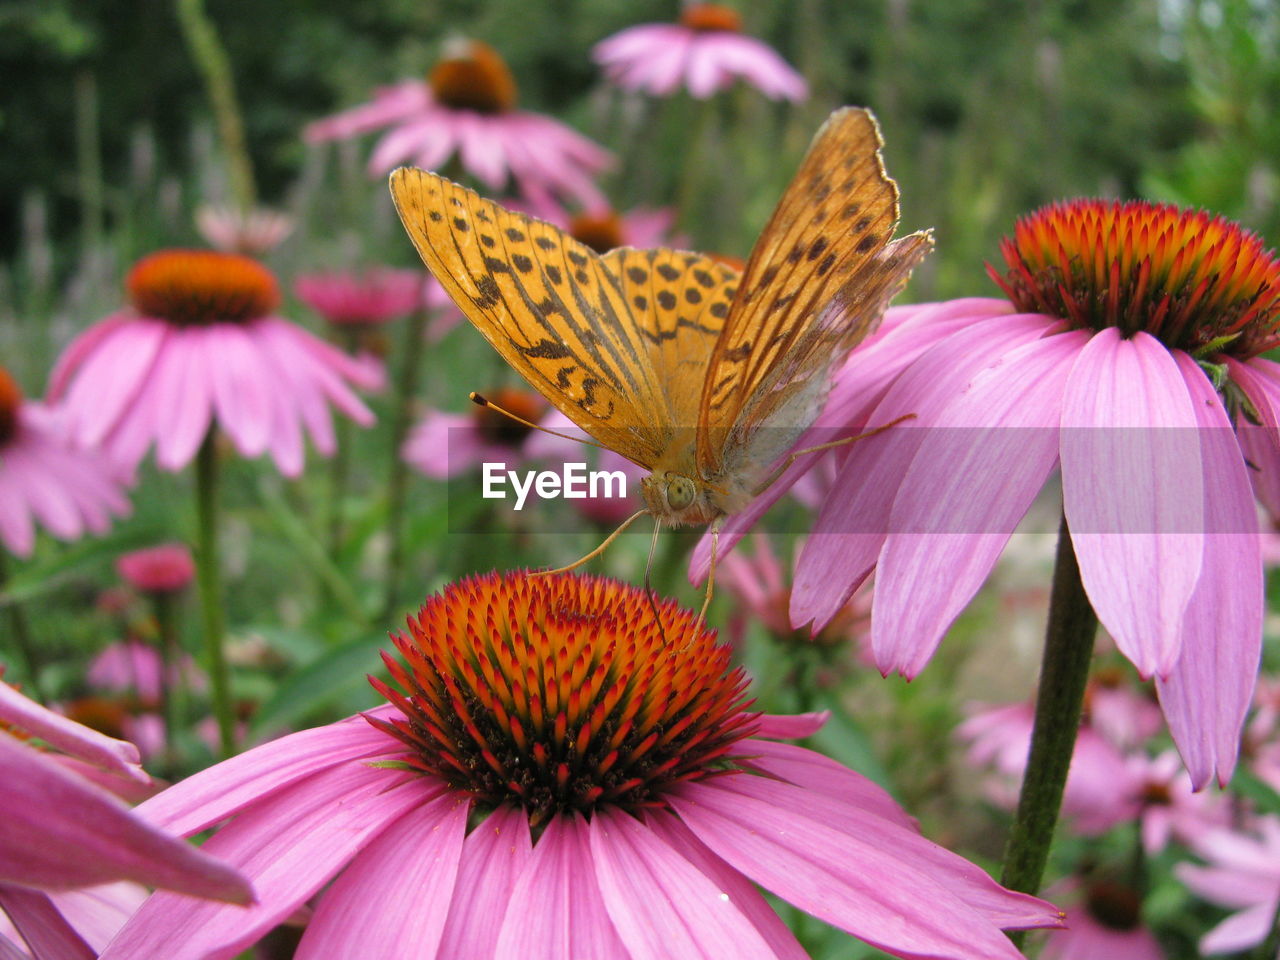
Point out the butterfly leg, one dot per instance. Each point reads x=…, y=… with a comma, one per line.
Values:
x=711, y=570
x=843, y=441
x=648, y=585
x=597, y=551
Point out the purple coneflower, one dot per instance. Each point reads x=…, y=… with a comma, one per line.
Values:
x=559, y=774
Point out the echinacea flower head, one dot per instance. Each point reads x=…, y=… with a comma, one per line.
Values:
x=705, y=52
x=565, y=768
x=1128, y=360
x=64, y=827
x=466, y=107
x=201, y=344
x=447, y=444
x=166, y=568
x=46, y=477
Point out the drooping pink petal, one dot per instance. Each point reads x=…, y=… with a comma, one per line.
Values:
x=813, y=771
x=242, y=388
x=59, y=831
x=48, y=934
x=1207, y=695
x=1240, y=931
x=865, y=876
x=408, y=872
x=98, y=913
x=851, y=528
x=793, y=726
x=493, y=856
x=737, y=887
x=118, y=756
x=185, y=402
x=1133, y=492
x=971, y=481
x=110, y=378
x=389, y=105
x=556, y=909
x=289, y=846
x=661, y=905
x=1259, y=380
x=84, y=345
x=213, y=794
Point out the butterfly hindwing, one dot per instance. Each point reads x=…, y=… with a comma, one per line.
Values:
x=547, y=304
x=817, y=282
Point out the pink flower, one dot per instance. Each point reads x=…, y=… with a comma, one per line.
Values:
x=45, y=477
x=201, y=345
x=467, y=106
x=135, y=667
x=556, y=775
x=1107, y=925
x=1243, y=874
x=1106, y=376
x=371, y=297
x=253, y=233
x=61, y=831
x=447, y=444
x=166, y=568
x=705, y=52
x=604, y=229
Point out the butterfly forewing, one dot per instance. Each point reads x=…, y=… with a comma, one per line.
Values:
x=680, y=301
x=547, y=304
x=817, y=282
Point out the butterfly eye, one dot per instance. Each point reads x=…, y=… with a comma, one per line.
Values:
x=680, y=492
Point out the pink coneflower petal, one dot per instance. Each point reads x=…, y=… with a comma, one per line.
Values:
x=186, y=808
x=289, y=846
x=793, y=726
x=970, y=484
x=819, y=773
x=185, y=396
x=96, y=913
x=242, y=392
x=409, y=871
x=59, y=831
x=556, y=909
x=389, y=105
x=661, y=905
x=1133, y=492
x=117, y=756
x=1207, y=695
x=741, y=892
x=48, y=934
x=1240, y=931
x=850, y=531
x=84, y=345
x=493, y=856
x=112, y=376
x=754, y=825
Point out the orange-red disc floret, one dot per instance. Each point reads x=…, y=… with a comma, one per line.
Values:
x=499, y=429
x=601, y=232
x=472, y=76
x=200, y=287
x=10, y=401
x=561, y=693
x=711, y=16
x=1188, y=277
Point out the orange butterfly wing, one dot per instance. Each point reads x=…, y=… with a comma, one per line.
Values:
x=817, y=282
x=548, y=304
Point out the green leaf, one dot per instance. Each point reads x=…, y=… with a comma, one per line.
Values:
x=337, y=672
x=78, y=560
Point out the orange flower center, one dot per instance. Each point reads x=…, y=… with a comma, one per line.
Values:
x=711, y=16
x=502, y=430
x=601, y=232
x=10, y=401
x=733, y=263
x=1198, y=282
x=560, y=693
x=200, y=287
x=473, y=77
x=1114, y=905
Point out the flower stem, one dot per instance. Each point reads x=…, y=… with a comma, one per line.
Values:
x=1064, y=671
x=415, y=333
x=215, y=68
x=211, y=589
x=22, y=637
x=338, y=467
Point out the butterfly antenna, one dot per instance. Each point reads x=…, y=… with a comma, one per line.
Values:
x=843, y=441
x=597, y=551
x=711, y=571
x=485, y=402
x=648, y=584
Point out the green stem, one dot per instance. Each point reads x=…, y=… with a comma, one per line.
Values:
x=172, y=691
x=215, y=69
x=210, y=582
x=88, y=161
x=22, y=637
x=694, y=177
x=338, y=466
x=415, y=333
x=1064, y=671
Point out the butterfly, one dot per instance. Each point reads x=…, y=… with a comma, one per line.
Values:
x=703, y=376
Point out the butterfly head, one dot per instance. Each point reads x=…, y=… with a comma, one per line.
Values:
x=678, y=500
